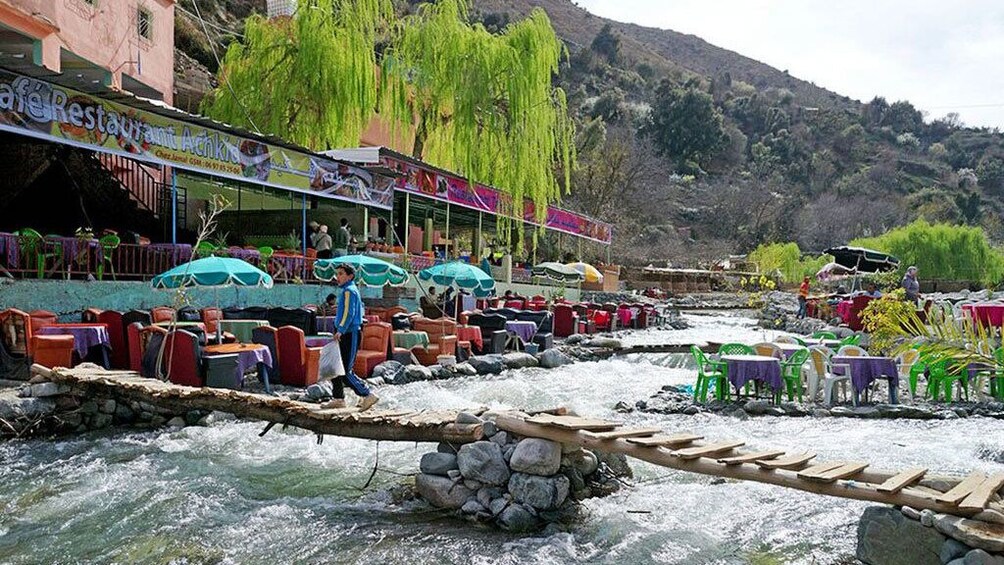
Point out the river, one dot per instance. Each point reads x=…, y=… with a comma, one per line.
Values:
x=221, y=494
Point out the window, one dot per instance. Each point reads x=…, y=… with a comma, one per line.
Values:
x=144, y=23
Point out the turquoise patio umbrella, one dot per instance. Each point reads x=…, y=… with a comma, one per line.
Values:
x=461, y=275
x=213, y=272
x=369, y=270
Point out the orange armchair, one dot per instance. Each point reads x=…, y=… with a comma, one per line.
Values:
x=162, y=314
x=298, y=364
x=52, y=350
x=442, y=339
x=373, y=349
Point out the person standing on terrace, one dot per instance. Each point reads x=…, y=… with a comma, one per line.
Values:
x=803, y=297
x=911, y=285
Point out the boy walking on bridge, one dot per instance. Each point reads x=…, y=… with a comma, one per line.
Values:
x=348, y=334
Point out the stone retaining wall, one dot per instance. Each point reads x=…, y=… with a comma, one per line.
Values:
x=905, y=536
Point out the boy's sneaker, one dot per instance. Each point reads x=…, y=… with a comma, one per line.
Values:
x=367, y=402
x=336, y=403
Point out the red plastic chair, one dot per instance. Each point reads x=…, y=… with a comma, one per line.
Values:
x=183, y=359
x=117, y=336
x=52, y=350
x=373, y=349
x=298, y=364
x=566, y=321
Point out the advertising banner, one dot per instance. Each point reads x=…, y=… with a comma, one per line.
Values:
x=455, y=190
x=39, y=109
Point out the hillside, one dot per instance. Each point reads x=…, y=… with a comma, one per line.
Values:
x=694, y=151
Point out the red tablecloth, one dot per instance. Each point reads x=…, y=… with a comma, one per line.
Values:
x=986, y=314
x=471, y=334
x=844, y=309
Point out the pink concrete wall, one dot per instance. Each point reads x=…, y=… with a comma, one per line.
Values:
x=104, y=33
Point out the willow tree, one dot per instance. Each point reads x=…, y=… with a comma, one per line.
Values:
x=310, y=79
x=481, y=103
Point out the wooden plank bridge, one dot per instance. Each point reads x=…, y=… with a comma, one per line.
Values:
x=682, y=450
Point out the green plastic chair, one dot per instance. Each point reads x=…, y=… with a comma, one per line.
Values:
x=800, y=341
x=708, y=373
x=824, y=335
x=206, y=249
x=850, y=340
x=266, y=255
x=735, y=349
x=32, y=245
x=942, y=374
x=996, y=375
x=791, y=372
x=108, y=244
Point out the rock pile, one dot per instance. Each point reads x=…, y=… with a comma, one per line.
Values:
x=888, y=536
x=518, y=484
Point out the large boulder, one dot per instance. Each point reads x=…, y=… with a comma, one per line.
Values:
x=465, y=369
x=391, y=372
x=980, y=535
x=553, y=358
x=438, y=463
x=603, y=343
x=482, y=461
x=441, y=491
x=542, y=493
x=536, y=457
x=319, y=391
x=518, y=519
x=417, y=373
x=887, y=537
x=487, y=364
x=519, y=360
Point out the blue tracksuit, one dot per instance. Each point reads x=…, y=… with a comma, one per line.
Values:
x=348, y=322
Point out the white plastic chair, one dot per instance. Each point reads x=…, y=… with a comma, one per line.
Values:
x=785, y=339
x=823, y=368
x=905, y=362
x=852, y=351
x=768, y=350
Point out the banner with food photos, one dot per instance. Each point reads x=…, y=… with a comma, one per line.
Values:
x=37, y=108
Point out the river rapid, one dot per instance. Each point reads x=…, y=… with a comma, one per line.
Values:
x=221, y=494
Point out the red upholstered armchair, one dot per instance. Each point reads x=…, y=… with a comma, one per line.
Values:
x=90, y=315
x=135, y=346
x=858, y=304
x=565, y=320
x=373, y=349
x=117, y=335
x=298, y=364
x=15, y=327
x=42, y=318
x=162, y=314
x=52, y=350
x=183, y=359
x=442, y=339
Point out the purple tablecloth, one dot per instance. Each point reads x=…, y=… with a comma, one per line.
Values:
x=73, y=246
x=318, y=340
x=178, y=252
x=248, y=357
x=326, y=324
x=525, y=330
x=865, y=369
x=84, y=338
x=252, y=256
x=788, y=349
x=9, y=249
x=744, y=368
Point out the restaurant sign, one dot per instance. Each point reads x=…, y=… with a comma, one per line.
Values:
x=39, y=109
x=455, y=190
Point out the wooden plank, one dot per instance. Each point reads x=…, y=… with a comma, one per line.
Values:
x=978, y=499
x=818, y=468
x=664, y=440
x=844, y=471
x=625, y=433
x=574, y=423
x=751, y=457
x=706, y=450
x=902, y=480
x=963, y=489
x=794, y=461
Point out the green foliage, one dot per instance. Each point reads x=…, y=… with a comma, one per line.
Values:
x=942, y=251
x=883, y=320
x=607, y=44
x=786, y=260
x=308, y=79
x=685, y=126
x=484, y=102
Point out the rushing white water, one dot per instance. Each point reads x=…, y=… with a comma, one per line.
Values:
x=221, y=494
